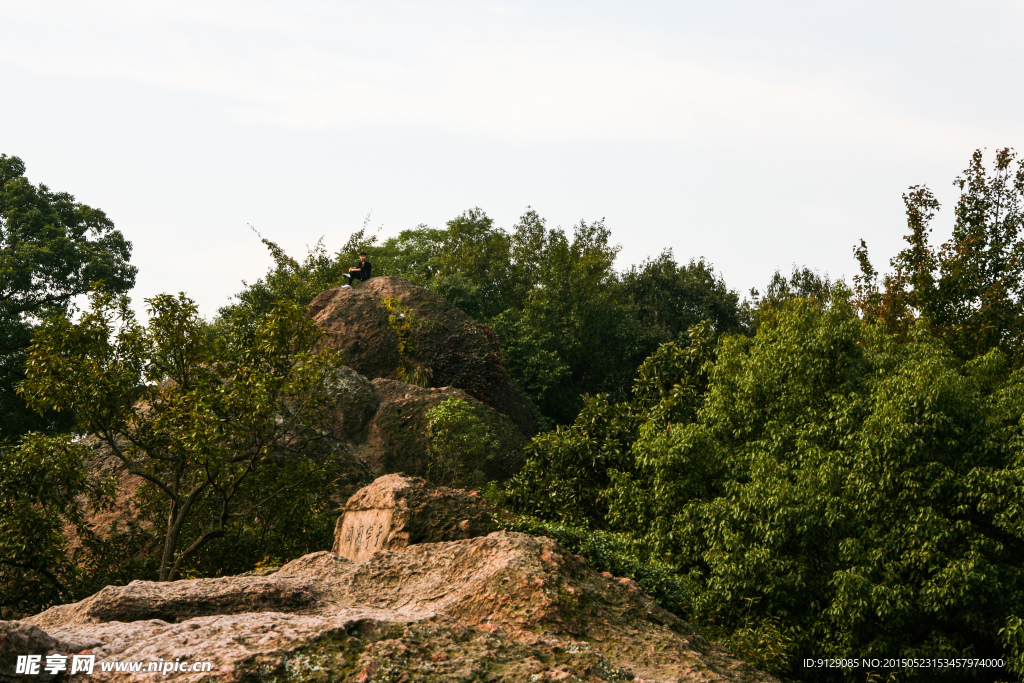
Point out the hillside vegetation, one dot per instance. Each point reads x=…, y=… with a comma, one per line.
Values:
x=825, y=469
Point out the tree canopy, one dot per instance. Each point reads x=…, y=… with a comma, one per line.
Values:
x=969, y=289
x=52, y=249
x=215, y=423
x=848, y=479
x=823, y=470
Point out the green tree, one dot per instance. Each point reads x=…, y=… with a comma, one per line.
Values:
x=216, y=426
x=52, y=249
x=290, y=280
x=802, y=283
x=567, y=322
x=413, y=254
x=43, y=486
x=860, y=490
x=968, y=289
x=570, y=334
x=477, y=250
x=572, y=472
x=666, y=299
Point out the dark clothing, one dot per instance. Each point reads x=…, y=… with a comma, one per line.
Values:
x=362, y=274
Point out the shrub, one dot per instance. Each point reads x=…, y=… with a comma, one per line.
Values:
x=458, y=439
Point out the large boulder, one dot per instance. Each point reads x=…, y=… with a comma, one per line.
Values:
x=440, y=340
x=395, y=512
x=502, y=607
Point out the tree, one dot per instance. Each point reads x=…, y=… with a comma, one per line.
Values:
x=413, y=254
x=825, y=488
x=43, y=485
x=667, y=298
x=570, y=334
x=858, y=489
x=567, y=322
x=290, y=280
x=477, y=250
x=572, y=473
x=802, y=283
x=969, y=289
x=52, y=249
x=216, y=423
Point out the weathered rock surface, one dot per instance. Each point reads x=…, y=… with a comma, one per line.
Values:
x=445, y=341
x=501, y=607
x=395, y=512
x=18, y=637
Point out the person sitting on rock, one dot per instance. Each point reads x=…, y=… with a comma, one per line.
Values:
x=360, y=272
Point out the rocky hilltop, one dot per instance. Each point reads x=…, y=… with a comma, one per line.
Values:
x=449, y=602
x=389, y=327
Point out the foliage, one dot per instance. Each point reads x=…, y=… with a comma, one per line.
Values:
x=862, y=491
x=478, y=251
x=969, y=289
x=569, y=335
x=762, y=644
x=300, y=283
x=583, y=329
x=803, y=283
x=290, y=280
x=218, y=427
x=40, y=486
x=568, y=470
x=614, y=553
x=457, y=434
x=52, y=249
x=667, y=298
x=413, y=254
x=402, y=321
x=571, y=473
x=568, y=324
x=824, y=488
x=459, y=290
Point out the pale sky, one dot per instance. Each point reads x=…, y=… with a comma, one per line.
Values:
x=754, y=134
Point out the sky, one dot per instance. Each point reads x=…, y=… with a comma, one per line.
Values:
x=757, y=135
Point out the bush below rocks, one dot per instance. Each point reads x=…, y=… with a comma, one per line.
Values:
x=397, y=436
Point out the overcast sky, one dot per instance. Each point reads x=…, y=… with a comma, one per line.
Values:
x=755, y=134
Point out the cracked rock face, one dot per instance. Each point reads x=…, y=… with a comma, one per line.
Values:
x=395, y=511
x=501, y=607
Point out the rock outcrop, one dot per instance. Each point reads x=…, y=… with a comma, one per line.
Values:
x=396, y=435
x=441, y=340
x=501, y=607
x=395, y=512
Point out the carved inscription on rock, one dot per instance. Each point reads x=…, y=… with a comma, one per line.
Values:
x=363, y=532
